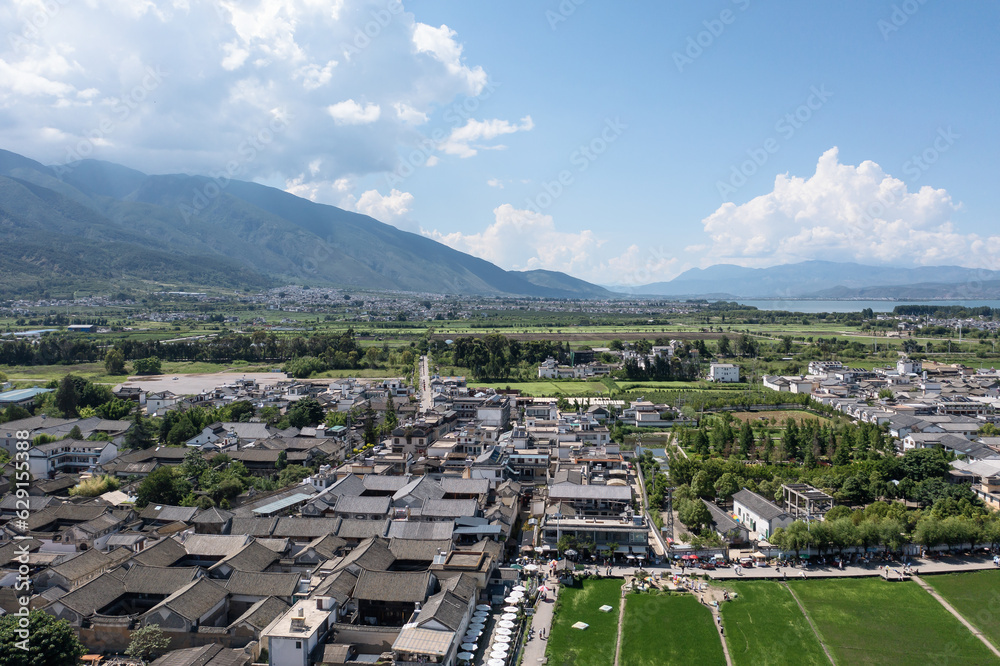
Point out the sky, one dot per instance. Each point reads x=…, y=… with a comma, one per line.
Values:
x=622, y=143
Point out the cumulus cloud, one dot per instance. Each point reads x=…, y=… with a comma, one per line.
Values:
x=441, y=45
x=462, y=139
x=350, y=112
x=76, y=84
x=409, y=115
x=844, y=212
x=524, y=240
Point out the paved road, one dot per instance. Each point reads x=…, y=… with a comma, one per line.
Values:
x=426, y=399
x=534, y=649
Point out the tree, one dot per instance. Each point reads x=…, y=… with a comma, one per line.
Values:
x=140, y=435
x=116, y=409
x=50, y=641
x=726, y=486
x=746, y=440
x=114, y=362
x=147, y=366
x=163, y=486
x=722, y=347
x=66, y=397
x=282, y=461
x=305, y=412
x=292, y=475
x=694, y=514
x=75, y=433
x=147, y=641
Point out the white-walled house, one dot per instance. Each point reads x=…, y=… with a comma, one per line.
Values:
x=724, y=372
x=759, y=514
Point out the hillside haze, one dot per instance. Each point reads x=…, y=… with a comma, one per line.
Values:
x=94, y=224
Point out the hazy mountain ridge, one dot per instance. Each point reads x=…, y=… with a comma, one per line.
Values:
x=828, y=279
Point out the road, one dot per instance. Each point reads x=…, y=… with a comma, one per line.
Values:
x=426, y=399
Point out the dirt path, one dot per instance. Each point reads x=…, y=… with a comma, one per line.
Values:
x=812, y=624
x=621, y=620
x=951, y=609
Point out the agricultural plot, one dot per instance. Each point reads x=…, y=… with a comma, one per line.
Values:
x=764, y=626
x=666, y=629
x=541, y=389
x=975, y=595
x=594, y=646
x=871, y=621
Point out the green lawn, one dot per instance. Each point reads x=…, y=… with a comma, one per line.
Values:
x=974, y=594
x=871, y=621
x=667, y=629
x=541, y=389
x=594, y=646
x=764, y=625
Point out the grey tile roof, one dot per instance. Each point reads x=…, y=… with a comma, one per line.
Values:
x=445, y=608
x=362, y=529
x=193, y=600
x=384, y=482
x=214, y=545
x=255, y=527
x=82, y=565
x=420, y=550
x=212, y=654
x=402, y=529
x=258, y=584
x=305, y=528
x=251, y=557
x=261, y=613
x=570, y=492
x=759, y=505
x=398, y=586
x=161, y=554
x=450, y=508
x=366, y=505
x=158, y=580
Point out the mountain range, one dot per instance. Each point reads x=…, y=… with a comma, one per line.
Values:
x=95, y=225
x=827, y=280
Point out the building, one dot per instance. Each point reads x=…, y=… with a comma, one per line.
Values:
x=802, y=500
x=71, y=456
x=760, y=515
x=294, y=635
x=21, y=397
x=724, y=372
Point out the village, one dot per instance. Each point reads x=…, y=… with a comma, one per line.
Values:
x=378, y=522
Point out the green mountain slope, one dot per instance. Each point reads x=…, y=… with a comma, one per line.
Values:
x=100, y=222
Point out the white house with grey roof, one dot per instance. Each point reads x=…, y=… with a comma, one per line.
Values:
x=760, y=515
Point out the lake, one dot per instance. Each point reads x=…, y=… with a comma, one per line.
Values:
x=812, y=306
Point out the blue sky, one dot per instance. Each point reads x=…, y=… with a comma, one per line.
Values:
x=620, y=142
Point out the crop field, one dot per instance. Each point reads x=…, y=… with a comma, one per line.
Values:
x=668, y=629
x=594, y=646
x=871, y=621
x=764, y=626
x=974, y=594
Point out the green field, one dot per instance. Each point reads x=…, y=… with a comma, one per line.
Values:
x=764, y=625
x=974, y=594
x=667, y=629
x=871, y=621
x=542, y=389
x=594, y=646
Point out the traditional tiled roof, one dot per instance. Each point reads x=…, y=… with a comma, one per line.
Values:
x=257, y=584
x=398, y=586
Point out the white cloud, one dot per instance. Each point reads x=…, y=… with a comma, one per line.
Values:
x=350, y=112
x=495, y=182
x=525, y=240
x=313, y=76
x=391, y=208
x=847, y=213
x=461, y=140
x=229, y=68
x=409, y=115
x=441, y=45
